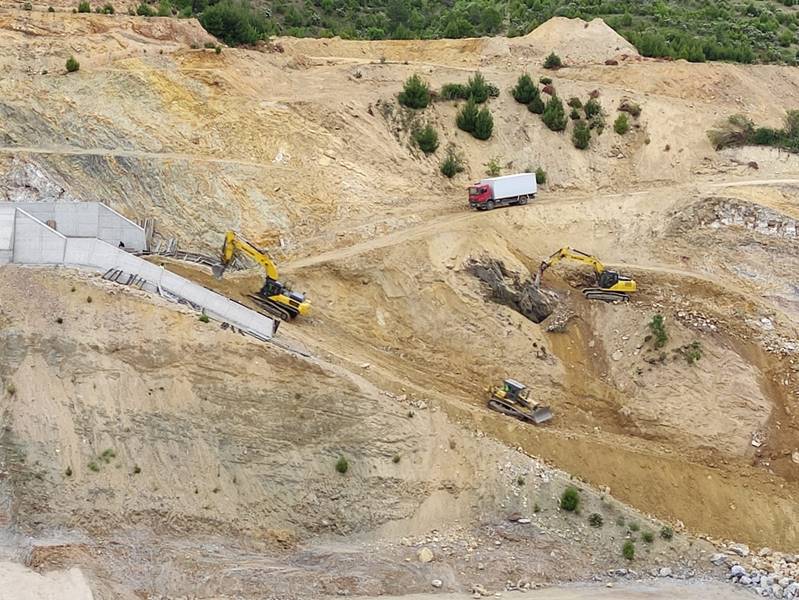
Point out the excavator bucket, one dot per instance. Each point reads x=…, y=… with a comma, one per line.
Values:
x=218, y=270
x=541, y=415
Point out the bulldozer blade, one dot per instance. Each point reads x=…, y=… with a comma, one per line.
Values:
x=218, y=270
x=541, y=415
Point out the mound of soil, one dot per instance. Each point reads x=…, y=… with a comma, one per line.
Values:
x=578, y=41
x=508, y=288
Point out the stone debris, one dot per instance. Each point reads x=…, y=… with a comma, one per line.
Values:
x=769, y=583
x=425, y=555
x=437, y=583
x=740, y=549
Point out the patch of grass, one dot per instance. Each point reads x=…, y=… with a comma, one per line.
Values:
x=620, y=521
x=658, y=328
x=84, y=7
x=93, y=466
x=204, y=318
x=570, y=499
x=666, y=532
x=595, y=520
x=628, y=550
x=107, y=455
x=634, y=526
x=648, y=537
x=692, y=352
x=342, y=465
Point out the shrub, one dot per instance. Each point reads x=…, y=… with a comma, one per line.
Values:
x=479, y=90
x=658, y=329
x=342, y=466
x=592, y=108
x=27, y=6
x=107, y=455
x=218, y=49
x=454, y=91
x=136, y=469
x=72, y=66
x=536, y=508
x=452, y=163
x=628, y=550
x=570, y=499
x=50, y=9
x=93, y=466
x=395, y=459
x=234, y=22
x=692, y=352
x=574, y=115
x=415, y=93
x=540, y=176
x=204, y=318
x=666, y=532
x=520, y=480
x=108, y=9
x=581, y=136
x=554, y=115
x=620, y=521
x=208, y=45
x=621, y=125
x=145, y=10
x=68, y=472
x=483, y=124
x=525, y=90
x=493, y=168
x=735, y=131
x=575, y=102
x=595, y=520
x=426, y=139
x=536, y=106
x=467, y=116
x=634, y=526
x=553, y=61
x=648, y=537
x=131, y=11
x=11, y=389
x=545, y=81
x=164, y=8
x=84, y=7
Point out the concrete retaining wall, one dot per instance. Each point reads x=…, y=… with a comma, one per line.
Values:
x=35, y=243
x=85, y=220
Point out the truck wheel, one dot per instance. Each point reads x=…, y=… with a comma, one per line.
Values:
x=490, y=205
x=523, y=200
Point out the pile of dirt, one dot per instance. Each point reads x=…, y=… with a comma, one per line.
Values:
x=577, y=41
x=510, y=289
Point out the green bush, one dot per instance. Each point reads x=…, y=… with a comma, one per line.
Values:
x=692, y=352
x=525, y=91
x=342, y=466
x=540, y=176
x=27, y=6
x=648, y=537
x=493, y=168
x=479, y=89
x=595, y=520
x=581, y=136
x=574, y=115
x=72, y=66
x=545, y=81
x=234, y=22
x=622, y=124
x=395, y=459
x=467, y=116
x=164, y=8
x=553, y=61
x=634, y=526
x=592, y=108
x=415, y=93
x=93, y=466
x=454, y=91
x=452, y=163
x=483, y=124
x=50, y=9
x=145, y=10
x=666, y=532
x=536, y=105
x=426, y=139
x=204, y=318
x=658, y=328
x=570, y=499
x=628, y=550
x=575, y=102
x=631, y=108
x=218, y=49
x=108, y=9
x=554, y=116
x=84, y=7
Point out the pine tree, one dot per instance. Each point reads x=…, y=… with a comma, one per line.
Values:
x=467, y=116
x=554, y=116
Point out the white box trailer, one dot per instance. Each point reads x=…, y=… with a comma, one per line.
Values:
x=501, y=191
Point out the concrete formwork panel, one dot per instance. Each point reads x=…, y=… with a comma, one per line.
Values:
x=114, y=228
x=6, y=233
x=35, y=243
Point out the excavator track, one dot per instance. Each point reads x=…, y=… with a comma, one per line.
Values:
x=272, y=308
x=506, y=409
x=605, y=295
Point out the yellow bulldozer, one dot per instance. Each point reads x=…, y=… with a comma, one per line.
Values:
x=513, y=399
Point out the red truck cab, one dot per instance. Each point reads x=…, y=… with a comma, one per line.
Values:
x=479, y=194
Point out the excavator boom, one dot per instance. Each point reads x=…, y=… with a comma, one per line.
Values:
x=610, y=285
x=235, y=242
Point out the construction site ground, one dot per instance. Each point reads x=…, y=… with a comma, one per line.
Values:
x=163, y=455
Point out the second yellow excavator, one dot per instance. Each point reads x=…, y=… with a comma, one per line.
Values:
x=274, y=297
x=610, y=286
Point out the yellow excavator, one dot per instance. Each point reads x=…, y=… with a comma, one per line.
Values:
x=273, y=297
x=610, y=285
